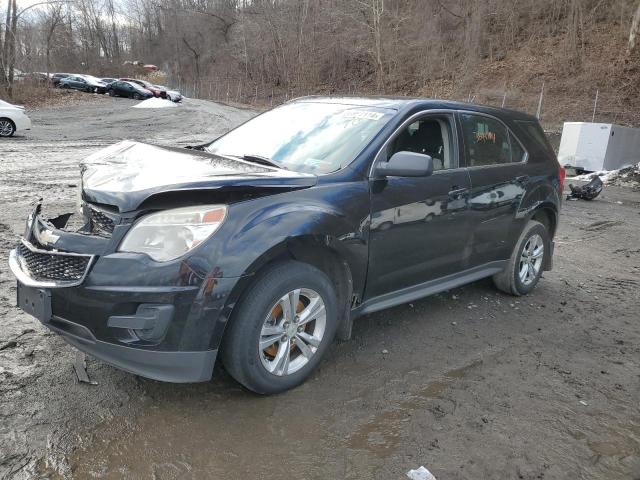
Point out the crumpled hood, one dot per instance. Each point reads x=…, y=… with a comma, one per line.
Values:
x=128, y=173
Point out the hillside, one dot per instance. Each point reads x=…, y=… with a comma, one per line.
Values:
x=264, y=52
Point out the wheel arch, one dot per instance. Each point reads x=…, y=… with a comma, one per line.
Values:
x=548, y=216
x=306, y=249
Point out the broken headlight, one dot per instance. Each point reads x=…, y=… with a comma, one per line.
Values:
x=169, y=234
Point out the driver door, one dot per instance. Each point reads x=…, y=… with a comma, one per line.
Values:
x=419, y=225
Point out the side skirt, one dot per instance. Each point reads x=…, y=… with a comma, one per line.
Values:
x=425, y=289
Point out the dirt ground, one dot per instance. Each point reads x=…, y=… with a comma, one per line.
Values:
x=471, y=383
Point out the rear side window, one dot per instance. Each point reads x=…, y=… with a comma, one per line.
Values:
x=534, y=130
x=486, y=141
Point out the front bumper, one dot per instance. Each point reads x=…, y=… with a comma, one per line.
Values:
x=22, y=122
x=159, y=320
x=175, y=367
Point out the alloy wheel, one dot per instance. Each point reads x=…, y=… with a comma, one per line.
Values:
x=292, y=332
x=531, y=259
x=6, y=128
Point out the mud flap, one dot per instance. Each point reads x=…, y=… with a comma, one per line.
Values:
x=344, y=329
x=548, y=264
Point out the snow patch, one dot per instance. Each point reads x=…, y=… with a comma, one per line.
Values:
x=155, y=103
x=627, y=176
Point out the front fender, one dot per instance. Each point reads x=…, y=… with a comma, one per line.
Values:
x=334, y=216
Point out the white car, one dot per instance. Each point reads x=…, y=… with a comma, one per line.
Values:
x=12, y=119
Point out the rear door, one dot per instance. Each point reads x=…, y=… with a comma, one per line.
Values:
x=499, y=172
x=419, y=225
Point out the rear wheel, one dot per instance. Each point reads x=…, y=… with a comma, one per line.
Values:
x=527, y=261
x=281, y=328
x=7, y=127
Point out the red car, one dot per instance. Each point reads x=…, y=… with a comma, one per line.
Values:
x=157, y=92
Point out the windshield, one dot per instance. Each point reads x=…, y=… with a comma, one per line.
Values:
x=309, y=137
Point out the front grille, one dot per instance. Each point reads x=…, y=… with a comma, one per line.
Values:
x=61, y=267
x=101, y=224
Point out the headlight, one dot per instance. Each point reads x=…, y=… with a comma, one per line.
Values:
x=169, y=234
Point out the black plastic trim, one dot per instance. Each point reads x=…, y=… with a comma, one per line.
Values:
x=431, y=287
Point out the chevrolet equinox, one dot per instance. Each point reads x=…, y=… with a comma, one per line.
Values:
x=265, y=244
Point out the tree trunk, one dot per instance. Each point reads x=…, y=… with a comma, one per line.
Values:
x=12, y=48
x=4, y=64
x=635, y=27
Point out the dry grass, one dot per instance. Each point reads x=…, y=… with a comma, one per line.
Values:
x=35, y=95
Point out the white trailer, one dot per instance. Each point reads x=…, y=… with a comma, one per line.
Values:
x=598, y=146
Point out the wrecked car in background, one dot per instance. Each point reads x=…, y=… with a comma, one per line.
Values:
x=121, y=88
x=159, y=92
x=261, y=246
x=84, y=83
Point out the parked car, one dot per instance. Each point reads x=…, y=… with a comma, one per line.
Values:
x=56, y=77
x=84, y=83
x=120, y=88
x=157, y=91
x=173, y=95
x=13, y=118
x=260, y=248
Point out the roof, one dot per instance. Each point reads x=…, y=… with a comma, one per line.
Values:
x=402, y=103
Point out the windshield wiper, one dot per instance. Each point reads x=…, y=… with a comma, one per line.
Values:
x=263, y=161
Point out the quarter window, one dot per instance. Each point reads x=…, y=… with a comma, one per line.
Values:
x=487, y=141
x=518, y=153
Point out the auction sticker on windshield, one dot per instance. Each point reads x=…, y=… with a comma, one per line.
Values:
x=362, y=115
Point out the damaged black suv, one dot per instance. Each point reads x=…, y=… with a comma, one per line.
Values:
x=264, y=245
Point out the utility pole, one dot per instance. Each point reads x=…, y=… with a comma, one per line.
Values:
x=539, y=112
x=595, y=106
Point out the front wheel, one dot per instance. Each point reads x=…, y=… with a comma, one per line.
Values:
x=136, y=96
x=7, y=127
x=281, y=328
x=527, y=261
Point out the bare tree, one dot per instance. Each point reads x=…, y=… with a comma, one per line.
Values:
x=635, y=27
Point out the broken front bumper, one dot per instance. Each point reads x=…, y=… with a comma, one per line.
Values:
x=159, y=320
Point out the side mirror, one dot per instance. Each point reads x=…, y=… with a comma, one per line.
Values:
x=405, y=164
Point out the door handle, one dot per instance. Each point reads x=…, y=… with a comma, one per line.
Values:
x=522, y=179
x=456, y=192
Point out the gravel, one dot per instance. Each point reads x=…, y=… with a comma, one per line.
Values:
x=471, y=383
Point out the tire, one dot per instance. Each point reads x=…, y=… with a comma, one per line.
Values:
x=111, y=92
x=136, y=96
x=261, y=316
x=7, y=127
x=524, y=269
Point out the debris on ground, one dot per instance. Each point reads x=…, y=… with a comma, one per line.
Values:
x=155, y=103
x=586, y=192
x=420, y=474
x=624, y=177
x=80, y=367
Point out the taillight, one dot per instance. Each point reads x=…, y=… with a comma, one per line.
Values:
x=562, y=173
